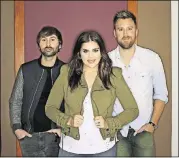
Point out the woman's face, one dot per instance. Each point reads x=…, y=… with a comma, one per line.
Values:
x=90, y=55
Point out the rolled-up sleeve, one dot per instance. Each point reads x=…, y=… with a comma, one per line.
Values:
x=159, y=81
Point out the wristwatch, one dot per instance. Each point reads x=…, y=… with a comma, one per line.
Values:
x=153, y=124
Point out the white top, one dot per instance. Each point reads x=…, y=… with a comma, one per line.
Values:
x=91, y=141
x=146, y=80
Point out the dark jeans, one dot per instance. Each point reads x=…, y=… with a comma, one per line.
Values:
x=109, y=153
x=140, y=145
x=40, y=144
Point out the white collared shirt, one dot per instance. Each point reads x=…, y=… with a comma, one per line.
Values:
x=91, y=141
x=146, y=79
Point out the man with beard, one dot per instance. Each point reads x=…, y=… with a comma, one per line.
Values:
x=143, y=72
x=37, y=134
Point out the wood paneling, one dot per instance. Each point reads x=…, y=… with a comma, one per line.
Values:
x=19, y=38
x=19, y=34
x=132, y=6
x=19, y=46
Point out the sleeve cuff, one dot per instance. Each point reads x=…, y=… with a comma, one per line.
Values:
x=112, y=129
x=16, y=126
x=165, y=99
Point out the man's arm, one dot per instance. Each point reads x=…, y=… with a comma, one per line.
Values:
x=160, y=94
x=158, y=110
x=15, y=101
x=160, y=90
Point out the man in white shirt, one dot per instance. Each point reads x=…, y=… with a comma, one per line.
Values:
x=143, y=71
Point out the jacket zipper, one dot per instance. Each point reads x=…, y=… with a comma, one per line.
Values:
x=51, y=77
x=33, y=98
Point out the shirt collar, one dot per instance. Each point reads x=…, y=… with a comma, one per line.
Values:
x=136, y=54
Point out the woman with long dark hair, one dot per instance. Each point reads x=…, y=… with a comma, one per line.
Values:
x=89, y=86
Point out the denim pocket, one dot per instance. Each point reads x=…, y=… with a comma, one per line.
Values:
x=144, y=139
x=119, y=135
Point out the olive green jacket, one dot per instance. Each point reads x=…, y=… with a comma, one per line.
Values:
x=102, y=102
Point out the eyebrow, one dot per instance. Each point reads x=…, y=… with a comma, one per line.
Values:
x=92, y=49
x=122, y=26
x=53, y=36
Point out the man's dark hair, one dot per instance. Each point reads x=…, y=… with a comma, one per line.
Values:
x=124, y=14
x=48, y=31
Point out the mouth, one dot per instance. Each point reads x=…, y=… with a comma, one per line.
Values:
x=91, y=61
x=48, y=49
x=126, y=39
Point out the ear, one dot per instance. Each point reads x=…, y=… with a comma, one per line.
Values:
x=114, y=32
x=79, y=55
x=60, y=46
x=137, y=32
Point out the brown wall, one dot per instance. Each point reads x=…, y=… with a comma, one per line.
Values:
x=155, y=33
x=7, y=75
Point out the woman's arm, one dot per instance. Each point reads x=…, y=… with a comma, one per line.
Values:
x=52, y=107
x=126, y=99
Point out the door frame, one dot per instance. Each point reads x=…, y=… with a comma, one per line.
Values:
x=19, y=39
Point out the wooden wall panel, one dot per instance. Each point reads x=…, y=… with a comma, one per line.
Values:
x=19, y=46
x=19, y=39
x=133, y=7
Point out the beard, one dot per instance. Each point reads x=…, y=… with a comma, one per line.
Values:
x=49, y=51
x=126, y=44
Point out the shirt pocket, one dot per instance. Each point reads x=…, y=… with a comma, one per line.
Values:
x=143, y=82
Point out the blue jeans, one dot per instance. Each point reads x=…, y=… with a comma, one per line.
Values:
x=40, y=144
x=140, y=145
x=109, y=153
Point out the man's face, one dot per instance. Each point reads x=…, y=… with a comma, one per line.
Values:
x=49, y=45
x=125, y=33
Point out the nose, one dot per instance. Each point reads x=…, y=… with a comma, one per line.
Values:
x=90, y=54
x=48, y=43
x=125, y=32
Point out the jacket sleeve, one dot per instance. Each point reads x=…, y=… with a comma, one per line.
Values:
x=56, y=96
x=15, y=101
x=127, y=101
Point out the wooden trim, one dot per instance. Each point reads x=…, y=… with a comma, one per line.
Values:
x=19, y=40
x=19, y=34
x=19, y=46
x=132, y=6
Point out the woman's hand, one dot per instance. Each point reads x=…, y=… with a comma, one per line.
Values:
x=100, y=122
x=76, y=122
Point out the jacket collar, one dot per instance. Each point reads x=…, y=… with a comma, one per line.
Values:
x=97, y=85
